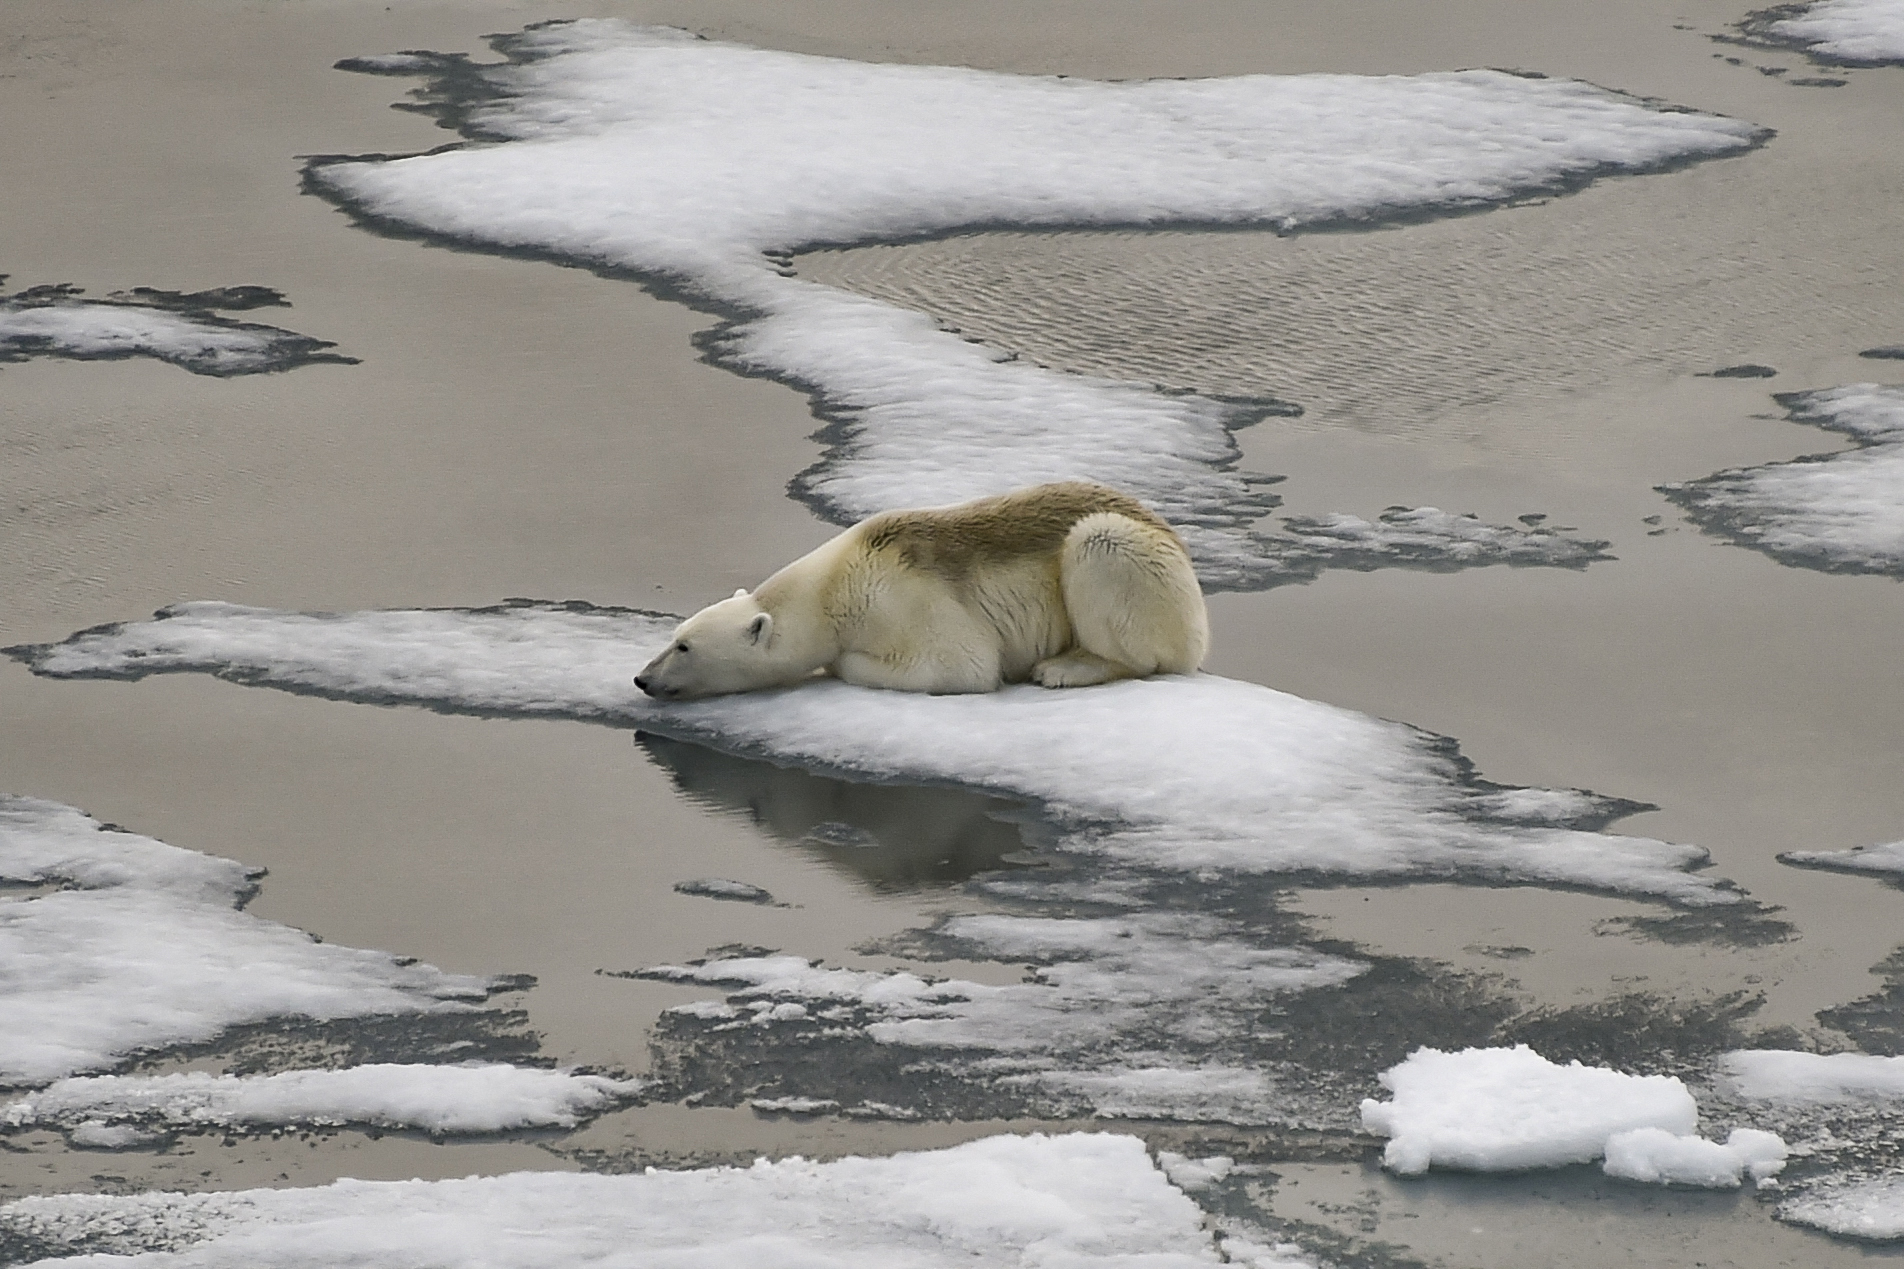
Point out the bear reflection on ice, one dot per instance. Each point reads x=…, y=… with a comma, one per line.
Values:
x=1065, y=585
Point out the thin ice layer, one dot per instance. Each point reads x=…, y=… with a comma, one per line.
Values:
x=141, y=947
x=703, y=164
x=54, y=322
x=1083, y=1201
x=1152, y=1015
x=1785, y=1075
x=1855, y=32
x=1842, y=513
x=1872, y=1210
x=490, y=1097
x=1505, y=1110
x=1170, y=773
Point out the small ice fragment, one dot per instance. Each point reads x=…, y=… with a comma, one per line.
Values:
x=720, y=888
x=1665, y=1158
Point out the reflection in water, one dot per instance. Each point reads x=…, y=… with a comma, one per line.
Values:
x=892, y=835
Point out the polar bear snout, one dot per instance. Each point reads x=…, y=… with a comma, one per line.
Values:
x=654, y=689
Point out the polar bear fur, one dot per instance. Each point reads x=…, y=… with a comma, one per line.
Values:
x=1065, y=585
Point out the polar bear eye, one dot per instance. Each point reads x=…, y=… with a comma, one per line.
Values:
x=680, y=647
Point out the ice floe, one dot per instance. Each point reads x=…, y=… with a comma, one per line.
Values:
x=1785, y=1075
x=721, y=888
x=1506, y=1110
x=182, y=329
x=1867, y=1209
x=1886, y=860
x=113, y=944
x=1844, y=32
x=436, y=1099
x=1079, y=1201
x=701, y=165
x=1842, y=513
x=1174, y=774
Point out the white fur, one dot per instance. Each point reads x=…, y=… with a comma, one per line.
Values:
x=1116, y=598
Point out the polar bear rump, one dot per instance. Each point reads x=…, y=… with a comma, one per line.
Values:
x=1065, y=585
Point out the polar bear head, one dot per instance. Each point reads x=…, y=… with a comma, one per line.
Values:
x=725, y=647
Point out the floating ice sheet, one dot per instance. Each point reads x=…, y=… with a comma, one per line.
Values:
x=1842, y=32
x=1884, y=861
x=435, y=1099
x=1665, y=1158
x=1505, y=1110
x=1084, y=1201
x=1842, y=513
x=701, y=165
x=52, y=321
x=1785, y=1075
x=1174, y=774
x=117, y=943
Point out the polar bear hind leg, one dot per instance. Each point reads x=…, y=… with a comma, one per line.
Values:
x=1134, y=604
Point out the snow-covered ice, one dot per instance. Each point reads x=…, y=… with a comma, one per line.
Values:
x=1869, y=1209
x=1841, y=512
x=1850, y=32
x=1174, y=774
x=1665, y=1158
x=1081, y=1201
x=704, y=164
x=53, y=321
x=1886, y=860
x=116, y=944
x=1785, y=1075
x=490, y=1097
x=1504, y=1110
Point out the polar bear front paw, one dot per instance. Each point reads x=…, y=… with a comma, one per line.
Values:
x=1077, y=669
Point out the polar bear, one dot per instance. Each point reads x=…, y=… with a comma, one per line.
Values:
x=1066, y=585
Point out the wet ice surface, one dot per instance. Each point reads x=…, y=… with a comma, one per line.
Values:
x=434, y=1098
x=1080, y=1200
x=114, y=944
x=1836, y=32
x=1842, y=513
x=1871, y=1210
x=182, y=329
x=735, y=157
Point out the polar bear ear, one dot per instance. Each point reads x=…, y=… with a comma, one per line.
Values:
x=740, y=592
x=759, y=627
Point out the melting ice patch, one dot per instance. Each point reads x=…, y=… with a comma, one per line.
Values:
x=1841, y=32
x=436, y=1099
x=1872, y=1210
x=112, y=943
x=1174, y=774
x=1509, y=1110
x=183, y=329
x=1884, y=861
x=1842, y=513
x=1079, y=1201
x=1145, y=1016
x=703, y=165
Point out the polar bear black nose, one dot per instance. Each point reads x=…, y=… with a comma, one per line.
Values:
x=641, y=681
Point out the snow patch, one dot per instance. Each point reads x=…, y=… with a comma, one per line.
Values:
x=1842, y=513
x=52, y=321
x=1858, y=32
x=1886, y=860
x=435, y=1099
x=704, y=164
x=1080, y=1201
x=142, y=948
